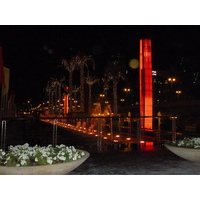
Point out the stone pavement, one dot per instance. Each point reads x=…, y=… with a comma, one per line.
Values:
x=149, y=161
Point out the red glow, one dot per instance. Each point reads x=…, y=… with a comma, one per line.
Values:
x=146, y=94
x=149, y=143
x=66, y=99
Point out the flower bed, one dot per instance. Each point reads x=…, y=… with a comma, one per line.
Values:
x=187, y=143
x=25, y=155
x=187, y=148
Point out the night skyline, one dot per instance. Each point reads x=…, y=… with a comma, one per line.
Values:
x=33, y=52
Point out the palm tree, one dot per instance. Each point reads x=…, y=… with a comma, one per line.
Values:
x=90, y=80
x=54, y=91
x=83, y=61
x=70, y=66
x=75, y=90
x=113, y=74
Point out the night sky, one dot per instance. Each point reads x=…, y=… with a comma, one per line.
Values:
x=33, y=52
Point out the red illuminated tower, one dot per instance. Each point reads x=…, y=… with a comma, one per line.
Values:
x=146, y=87
x=66, y=101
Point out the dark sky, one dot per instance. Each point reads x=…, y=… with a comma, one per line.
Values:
x=33, y=52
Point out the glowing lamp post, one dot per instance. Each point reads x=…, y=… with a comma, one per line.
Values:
x=178, y=92
x=171, y=80
x=127, y=89
x=66, y=101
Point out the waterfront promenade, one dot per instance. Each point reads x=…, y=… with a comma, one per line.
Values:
x=149, y=160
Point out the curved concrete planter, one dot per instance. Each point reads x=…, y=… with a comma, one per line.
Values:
x=186, y=153
x=54, y=169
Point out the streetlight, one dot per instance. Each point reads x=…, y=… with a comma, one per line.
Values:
x=102, y=95
x=127, y=89
x=127, y=93
x=171, y=80
x=178, y=92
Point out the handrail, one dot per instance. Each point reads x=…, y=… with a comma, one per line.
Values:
x=112, y=128
x=55, y=132
x=3, y=134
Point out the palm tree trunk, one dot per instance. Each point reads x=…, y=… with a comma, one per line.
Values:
x=90, y=98
x=82, y=109
x=51, y=102
x=70, y=91
x=115, y=106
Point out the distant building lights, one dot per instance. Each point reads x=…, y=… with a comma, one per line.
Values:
x=117, y=136
x=154, y=73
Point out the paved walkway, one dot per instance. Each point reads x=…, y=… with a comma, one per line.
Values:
x=155, y=161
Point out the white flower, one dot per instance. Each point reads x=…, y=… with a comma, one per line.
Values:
x=23, y=162
x=82, y=153
x=26, y=154
x=62, y=158
x=8, y=158
x=73, y=149
x=74, y=158
x=188, y=142
x=49, y=160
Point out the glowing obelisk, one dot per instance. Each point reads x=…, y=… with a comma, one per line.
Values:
x=146, y=87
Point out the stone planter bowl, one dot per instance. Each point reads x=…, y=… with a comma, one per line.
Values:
x=186, y=153
x=54, y=169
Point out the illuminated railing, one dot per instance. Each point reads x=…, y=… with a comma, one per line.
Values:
x=104, y=131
